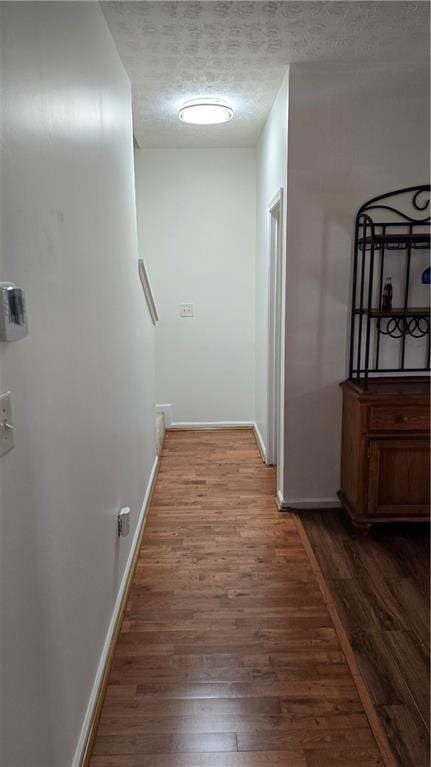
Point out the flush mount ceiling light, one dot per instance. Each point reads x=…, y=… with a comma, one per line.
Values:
x=205, y=112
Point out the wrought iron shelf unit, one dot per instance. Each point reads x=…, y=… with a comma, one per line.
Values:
x=396, y=340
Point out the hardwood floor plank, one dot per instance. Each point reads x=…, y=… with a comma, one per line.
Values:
x=378, y=667
x=409, y=736
x=198, y=707
x=246, y=759
x=317, y=739
x=135, y=724
x=416, y=607
x=343, y=757
x=401, y=645
x=123, y=745
x=311, y=682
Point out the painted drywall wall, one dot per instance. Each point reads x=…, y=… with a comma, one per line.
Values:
x=196, y=214
x=271, y=177
x=352, y=135
x=82, y=382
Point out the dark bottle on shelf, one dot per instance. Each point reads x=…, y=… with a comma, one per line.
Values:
x=387, y=295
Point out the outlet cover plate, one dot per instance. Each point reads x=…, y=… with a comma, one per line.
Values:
x=7, y=441
x=123, y=521
x=186, y=310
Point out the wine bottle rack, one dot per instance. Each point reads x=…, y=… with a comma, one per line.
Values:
x=394, y=222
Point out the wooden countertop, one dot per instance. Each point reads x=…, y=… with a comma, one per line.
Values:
x=391, y=387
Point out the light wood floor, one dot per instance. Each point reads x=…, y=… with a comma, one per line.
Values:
x=227, y=655
x=380, y=585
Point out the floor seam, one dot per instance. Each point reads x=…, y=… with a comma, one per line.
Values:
x=364, y=695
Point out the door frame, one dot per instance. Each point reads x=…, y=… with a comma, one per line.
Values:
x=276, y=336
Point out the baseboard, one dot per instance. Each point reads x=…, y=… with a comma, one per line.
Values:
x=308, y=503
x=279, y=501
x=259, y=441
x=191, y=425
x=167, y=410
x=91, y=720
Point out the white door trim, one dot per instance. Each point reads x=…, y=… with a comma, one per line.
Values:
x=276, y=335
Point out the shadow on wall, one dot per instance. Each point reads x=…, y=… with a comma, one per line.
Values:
x=323, y=407
x=321, y=307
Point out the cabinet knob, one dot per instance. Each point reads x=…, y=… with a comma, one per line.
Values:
x=403, y=418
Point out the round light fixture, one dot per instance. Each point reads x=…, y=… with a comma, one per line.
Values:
x=205, y=112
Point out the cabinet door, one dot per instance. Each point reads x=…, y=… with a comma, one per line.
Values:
x=399, y=478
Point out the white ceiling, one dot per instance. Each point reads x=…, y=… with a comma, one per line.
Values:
x=240, y=50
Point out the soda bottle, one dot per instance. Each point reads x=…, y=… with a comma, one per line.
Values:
x=387, y=295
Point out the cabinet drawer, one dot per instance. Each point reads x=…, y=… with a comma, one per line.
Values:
x=404, y=418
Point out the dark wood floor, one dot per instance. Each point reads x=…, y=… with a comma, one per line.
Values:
x=227, y=656
x=380, y=585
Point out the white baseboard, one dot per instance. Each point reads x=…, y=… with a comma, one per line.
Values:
x=260, y=442
x=167, y=410
x=82, y=742
x=279, y=500
x=211, y=425
x=308, y=503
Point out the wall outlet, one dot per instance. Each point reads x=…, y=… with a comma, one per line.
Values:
x=124, y=522
x=7, y=441
x=186, y=310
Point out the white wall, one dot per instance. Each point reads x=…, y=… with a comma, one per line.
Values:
x=82, y=382
x=352, y=135
x=271, y=177
x=196, y=214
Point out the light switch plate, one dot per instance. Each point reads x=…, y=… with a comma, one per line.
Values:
x=7, y=441
x=186, y=310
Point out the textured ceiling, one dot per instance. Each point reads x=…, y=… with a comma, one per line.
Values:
x=240, y=50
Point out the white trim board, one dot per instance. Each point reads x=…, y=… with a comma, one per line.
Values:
x=276, y=334
x=212, y=425
x=88, y=718
x=260, y=442
x=275, y=326
x=308, y=503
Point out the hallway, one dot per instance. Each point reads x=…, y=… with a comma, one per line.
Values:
x=227, y=645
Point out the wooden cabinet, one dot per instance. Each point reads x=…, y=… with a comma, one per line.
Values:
x=385, y=466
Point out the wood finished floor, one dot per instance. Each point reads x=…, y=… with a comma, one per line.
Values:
x=380, y=585
x=227, y=655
